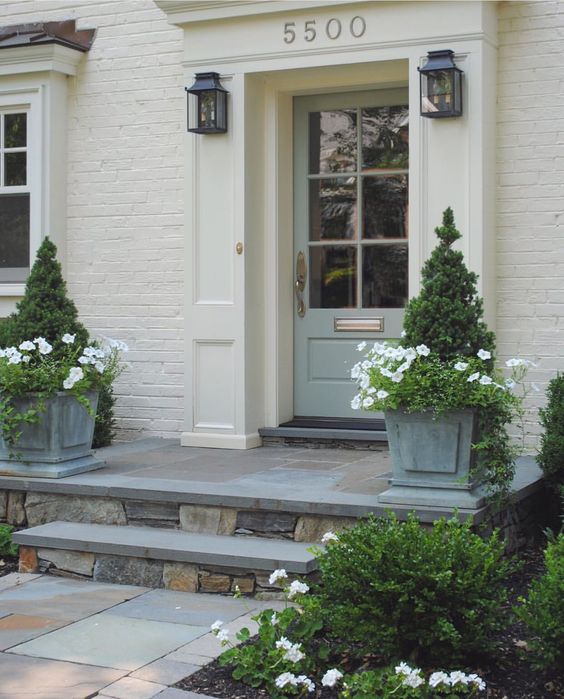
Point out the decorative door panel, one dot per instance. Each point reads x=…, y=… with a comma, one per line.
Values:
x=350, y=238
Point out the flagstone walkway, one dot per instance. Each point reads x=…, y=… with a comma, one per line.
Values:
x=75, y=639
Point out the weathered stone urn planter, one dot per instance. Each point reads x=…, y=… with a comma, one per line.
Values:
x=432, y=458
x=58, y=445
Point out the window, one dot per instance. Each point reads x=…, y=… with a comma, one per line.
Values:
x=15, y=195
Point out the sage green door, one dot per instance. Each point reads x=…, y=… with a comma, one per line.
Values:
x=350, y=239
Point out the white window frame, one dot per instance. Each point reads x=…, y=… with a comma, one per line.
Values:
x=17, y=101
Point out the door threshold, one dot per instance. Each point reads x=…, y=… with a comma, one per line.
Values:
x=337, y=423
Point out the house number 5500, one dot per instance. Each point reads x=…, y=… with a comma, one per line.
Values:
x=333, y=29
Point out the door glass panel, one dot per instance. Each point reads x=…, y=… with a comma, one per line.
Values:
x=15, y=131
x=385, y=137
x=384, y=276
x=15, y=169
x=333, y=276
x=384, y=202
x=332, y=141
x=332, y=209
x=14, y=240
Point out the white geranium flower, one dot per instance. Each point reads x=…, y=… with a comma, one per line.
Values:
x=27, y=345
x=439, y=678
x=367, y=402
x=274, y=619
x=216, y=626
x=331, y=677
x=484, y=354
x=458, y=677
x=477, y=681
x=277, y=575
x=403, y=669
x=486, y=380
x=422, y=350
x=461, y=366
x=329, y=536
x=356, y=402
x=297, y=588
x=223, y=636
x=294, y=654
x=414, y=679
x=381, y=395
x=285, y=678
x=473, y=377
x=306, y=682
x=68, y=339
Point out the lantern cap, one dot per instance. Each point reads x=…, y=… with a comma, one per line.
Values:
x=205, y=82
x=439, y=60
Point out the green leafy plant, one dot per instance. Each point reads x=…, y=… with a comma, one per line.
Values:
x=7, y=547
x=543, y=609
x=397, y=590
x=46, y=311
x=447, y=315
x=405, y=682
x=551, y=455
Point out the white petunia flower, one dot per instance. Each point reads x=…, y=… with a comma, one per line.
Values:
x=68, y=339
x=100, y=367
x=297, y=588
x=26, y=359
x=422, y=350
x=27, y=345
x=277, y=575
x=461, y=366
x=331, y=677
x=403, y=367
x=484, y=354
x=356, y=403
x=486, y=380
x=514, y=362
x=329, y=536
x=397, y=377
x=473, y=377
x=361, y=347
x=386, y=372
x=381, y=395
x=44, y=347
x=367, y=402
x=510, y=383
x=439, y=678
x=15, y=358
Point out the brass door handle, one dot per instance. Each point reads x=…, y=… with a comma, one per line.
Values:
x=300, y=283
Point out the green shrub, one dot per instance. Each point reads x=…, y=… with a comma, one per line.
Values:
x=551, y=456
x=543, y=610
x=46, y=311
x=399, y=591
x=447, y=314
x=7, y=548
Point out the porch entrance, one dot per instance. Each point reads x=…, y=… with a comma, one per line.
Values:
x=350, y=239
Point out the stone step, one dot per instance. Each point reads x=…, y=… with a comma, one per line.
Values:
x=160, y=557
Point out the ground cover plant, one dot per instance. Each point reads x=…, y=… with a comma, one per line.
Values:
x=47, y=312
x=551, y=454
x=8, y=550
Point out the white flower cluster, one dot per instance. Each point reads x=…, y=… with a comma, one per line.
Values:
x=15, y=356
x=75, y=375
x=331, y=677
x=219, y=632
x=411, y=677
x=328, y=537
x=94, y=356
x=292, y=651
x=288, y=678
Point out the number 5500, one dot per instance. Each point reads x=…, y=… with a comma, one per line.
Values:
x=333, y=29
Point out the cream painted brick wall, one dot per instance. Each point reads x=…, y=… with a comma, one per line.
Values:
x=530, y=190
x=126, y=123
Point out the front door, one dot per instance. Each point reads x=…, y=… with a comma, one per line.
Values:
x=350, y=238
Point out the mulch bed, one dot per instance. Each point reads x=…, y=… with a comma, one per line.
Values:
x=507, y=673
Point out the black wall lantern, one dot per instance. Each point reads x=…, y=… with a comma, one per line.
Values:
x=207, y=104
x=441, y=86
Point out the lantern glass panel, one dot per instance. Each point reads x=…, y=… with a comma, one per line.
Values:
x=207, y=110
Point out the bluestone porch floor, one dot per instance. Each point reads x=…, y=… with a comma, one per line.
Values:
x=339, y=482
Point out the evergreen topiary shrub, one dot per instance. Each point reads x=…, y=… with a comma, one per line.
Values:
x=447, y=316
x=551, y=455
x=46, y=311
x=399, y=591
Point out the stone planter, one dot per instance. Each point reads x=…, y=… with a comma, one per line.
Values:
x=59, y=445
x=432, y=458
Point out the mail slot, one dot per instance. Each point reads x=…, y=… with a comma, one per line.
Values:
x=358, y=325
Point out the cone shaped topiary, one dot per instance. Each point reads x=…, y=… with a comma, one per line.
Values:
x=447, y=316
x=45, y=310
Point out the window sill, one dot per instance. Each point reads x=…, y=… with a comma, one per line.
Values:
x=11, y=289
